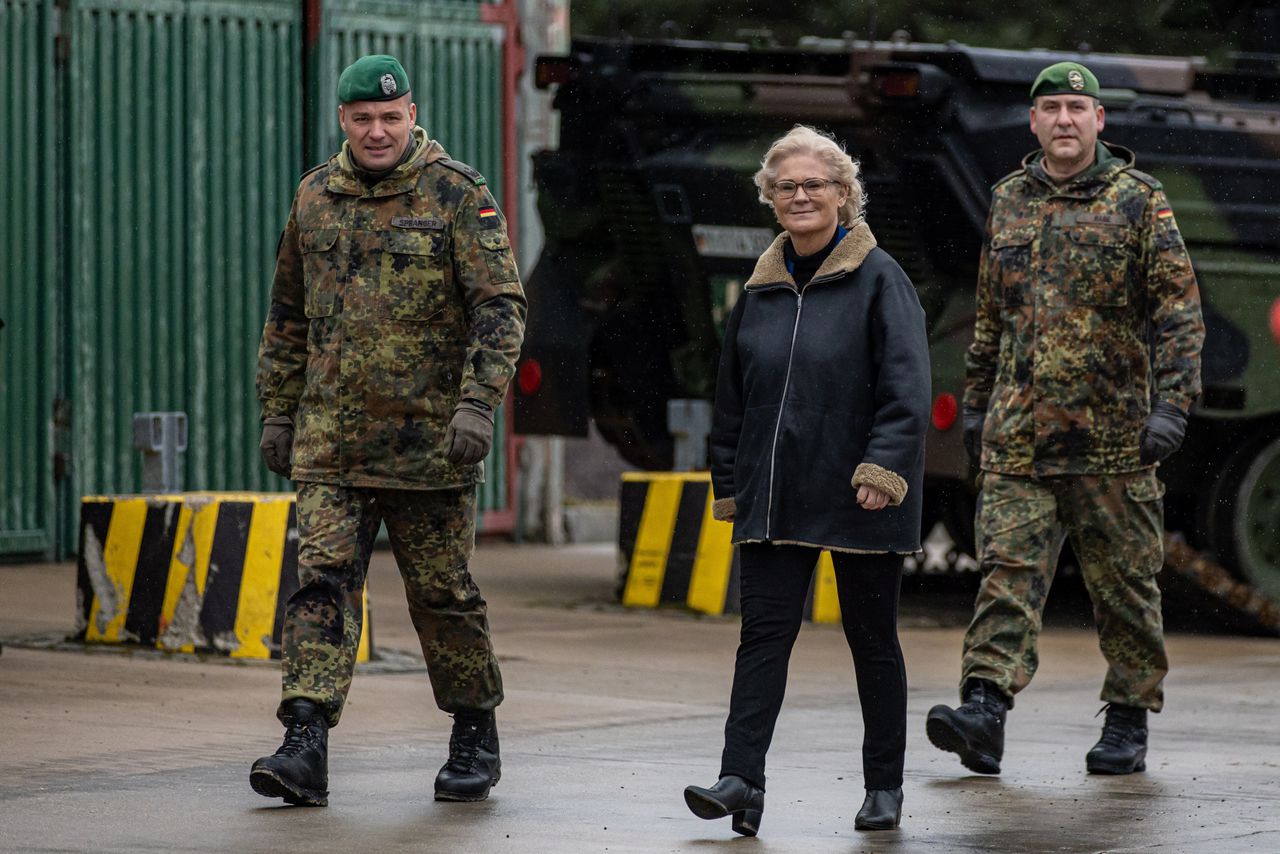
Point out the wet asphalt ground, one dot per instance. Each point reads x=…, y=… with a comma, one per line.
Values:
x=609, y=714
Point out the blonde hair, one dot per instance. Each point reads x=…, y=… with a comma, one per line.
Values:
x=803, y=139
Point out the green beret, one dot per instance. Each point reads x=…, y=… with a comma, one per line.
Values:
x=1065, y=78
x=377, y=77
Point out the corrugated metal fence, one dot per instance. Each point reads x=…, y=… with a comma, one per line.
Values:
x=179, y=176
x=184, y=125
x=27, y=276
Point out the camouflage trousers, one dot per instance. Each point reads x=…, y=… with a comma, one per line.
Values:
x=432, y=536
x=1116, y=524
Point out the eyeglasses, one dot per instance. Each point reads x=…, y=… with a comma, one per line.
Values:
x=812, y=187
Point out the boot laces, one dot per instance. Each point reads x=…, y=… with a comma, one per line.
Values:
x=1119, y=726
x=982, y=696
x=981, y=704
x=299, y=737
x=464, y=746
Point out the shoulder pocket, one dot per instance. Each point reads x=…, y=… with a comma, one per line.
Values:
x=499, y=261
x=494, y=239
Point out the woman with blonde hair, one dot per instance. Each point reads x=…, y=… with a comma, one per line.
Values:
x=817, y=443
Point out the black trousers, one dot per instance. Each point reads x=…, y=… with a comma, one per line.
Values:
x=775, y=581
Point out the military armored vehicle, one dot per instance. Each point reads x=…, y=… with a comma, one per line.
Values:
x=653, y=225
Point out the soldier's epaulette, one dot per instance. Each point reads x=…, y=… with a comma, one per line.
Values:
x=459, y=166
x=1020, y=171
x=1150, y=180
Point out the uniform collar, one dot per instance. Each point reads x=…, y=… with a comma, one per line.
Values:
x=344, y=180
x=1110, y=160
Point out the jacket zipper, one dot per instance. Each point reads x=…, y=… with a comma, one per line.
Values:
x=777, y=427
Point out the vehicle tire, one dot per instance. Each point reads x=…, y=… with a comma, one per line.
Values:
x=949, y=503
x=1241, y=512
x=630, y=422
x=631, y=382
x=930, y=514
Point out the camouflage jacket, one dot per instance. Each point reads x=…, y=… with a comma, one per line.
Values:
x=390, y=303
x=1087, y=310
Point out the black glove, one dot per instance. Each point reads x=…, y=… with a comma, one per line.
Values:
x=973, y=420
x=277, y=444
x=1162, y=434
x=470, y=433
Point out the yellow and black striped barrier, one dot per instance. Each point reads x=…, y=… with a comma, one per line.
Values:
x=677, y=554
x=191, y=572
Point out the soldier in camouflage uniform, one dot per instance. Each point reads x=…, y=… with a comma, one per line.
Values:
x=1084, y=363
x=396, y=319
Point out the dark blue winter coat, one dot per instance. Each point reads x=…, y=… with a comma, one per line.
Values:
x=821, y=390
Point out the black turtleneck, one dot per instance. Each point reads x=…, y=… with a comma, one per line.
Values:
x=803, y=267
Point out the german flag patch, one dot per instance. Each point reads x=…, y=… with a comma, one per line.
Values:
x=1164, y=213
x=487, y=213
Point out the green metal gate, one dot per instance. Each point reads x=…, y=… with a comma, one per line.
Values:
x=183, y=127
x=28, y=294
x=139, y=229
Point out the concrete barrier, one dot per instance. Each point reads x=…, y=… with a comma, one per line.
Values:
x=675, y=553
x=191, y=572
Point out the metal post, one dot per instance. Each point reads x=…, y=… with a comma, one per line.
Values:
x=162, y=438
x=689, y=421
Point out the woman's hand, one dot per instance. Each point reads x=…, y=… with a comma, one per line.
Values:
x=870, y=498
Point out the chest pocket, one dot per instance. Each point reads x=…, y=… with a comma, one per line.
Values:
x=319, y=271
x=411, y=280
x=1010, y=265
x=1097, y=257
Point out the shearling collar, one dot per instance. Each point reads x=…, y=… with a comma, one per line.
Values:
x=848, y=255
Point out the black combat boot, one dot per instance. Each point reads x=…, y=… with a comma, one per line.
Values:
x=733, y=796
x=1123, y=746
x=299, y=770
x=473, y=766
x=975, y=730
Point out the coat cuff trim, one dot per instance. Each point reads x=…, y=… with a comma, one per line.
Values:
x=882, y=479
x=724, y=509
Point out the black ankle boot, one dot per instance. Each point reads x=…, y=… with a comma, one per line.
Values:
x=299, y=770
x=730, y=796
x=882, y=810
x=974, y=730
x=1123, y=746
x=474, y=766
